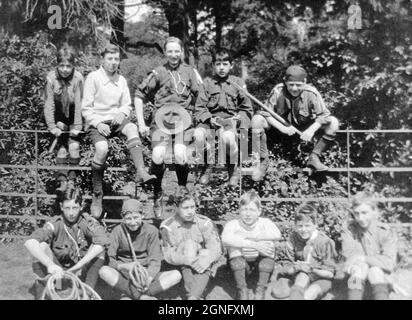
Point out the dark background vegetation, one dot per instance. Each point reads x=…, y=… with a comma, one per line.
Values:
x=364, y=75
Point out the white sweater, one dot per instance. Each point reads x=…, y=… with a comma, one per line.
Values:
x=238, y=238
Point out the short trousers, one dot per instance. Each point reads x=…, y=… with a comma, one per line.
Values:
x=96, y=137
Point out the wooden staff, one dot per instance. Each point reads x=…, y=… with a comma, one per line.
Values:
x=272, y=113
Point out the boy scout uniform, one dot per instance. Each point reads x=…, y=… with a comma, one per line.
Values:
x=182, y=86
x=378, y=242
x=300, y=111
x=202, y=231
x=225, y=100
x=318, y=252
x=69, y=243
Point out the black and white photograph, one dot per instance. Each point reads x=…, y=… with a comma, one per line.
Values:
x=224, y=151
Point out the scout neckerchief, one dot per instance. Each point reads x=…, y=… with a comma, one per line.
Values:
x=72, y=239
x=179, y=82
x=130, y=243
x=65, y=96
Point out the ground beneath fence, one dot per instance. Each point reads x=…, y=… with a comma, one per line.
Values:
x=17, y=278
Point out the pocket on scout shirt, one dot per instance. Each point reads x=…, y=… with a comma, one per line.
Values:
x=213, y=97
x=61, y=249
x=232, y=95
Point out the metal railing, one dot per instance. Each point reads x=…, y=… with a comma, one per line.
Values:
x=244, y=171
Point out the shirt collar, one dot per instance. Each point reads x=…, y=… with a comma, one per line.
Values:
x=106, y=79
x=217, y=80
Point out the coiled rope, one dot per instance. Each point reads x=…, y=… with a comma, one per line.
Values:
x=78, y=291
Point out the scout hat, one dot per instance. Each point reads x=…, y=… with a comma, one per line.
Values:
x=131, y=205
x=295, y=73
x=172, y=118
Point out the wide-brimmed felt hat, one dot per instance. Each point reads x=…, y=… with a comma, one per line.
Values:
x=172, y=119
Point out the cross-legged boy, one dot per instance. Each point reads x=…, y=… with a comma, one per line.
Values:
x=106, y=107
x=191, y=242
x=369, y=248
x=231, y=109
x=309, y=257
x=302, y=105
x=72, y=241
x=250, y=241
x=143, y=239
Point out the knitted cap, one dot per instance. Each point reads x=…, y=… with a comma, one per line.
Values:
x=131, y=205
x=295, y=73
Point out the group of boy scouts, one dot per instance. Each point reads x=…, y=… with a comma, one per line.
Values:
x=187, y=113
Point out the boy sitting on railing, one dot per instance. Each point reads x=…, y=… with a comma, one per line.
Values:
x=62, y=109
x=231, y=109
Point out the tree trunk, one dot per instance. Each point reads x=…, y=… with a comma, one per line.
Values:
x=177, y=14
x=217, y=11
x=118, y=25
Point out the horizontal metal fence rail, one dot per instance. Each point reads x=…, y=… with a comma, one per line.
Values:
x=244, y=171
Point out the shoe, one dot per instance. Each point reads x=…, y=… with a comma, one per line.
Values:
x=144, y=178
x=96, y=207
x=260, y=293
x=260, y=172
x=205, y=178
x=243, y=294
x=146, y=297
x=315, y=163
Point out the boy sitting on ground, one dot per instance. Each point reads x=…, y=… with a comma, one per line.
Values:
x=369, y=248
x=309, y=258
x=133, y=243
x=250, y=243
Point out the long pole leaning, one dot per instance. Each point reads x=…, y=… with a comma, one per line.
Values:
x=272, y=113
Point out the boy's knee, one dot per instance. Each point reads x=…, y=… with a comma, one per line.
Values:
x=333, y=125
x=62, y=153
x=266, y=265
x=130, y=131
x=237, y=264
x=258, y=122
x=229, y=138
x=158, y=154
x=102, y=148
x=199, y=134
x=376, y=275
x=180, y=154
x=106, y=273
x=74, y=149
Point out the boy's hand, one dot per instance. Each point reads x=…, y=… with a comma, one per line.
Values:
x=302, y=266
x=61, y=126
x=144, y=130
x=118, y=119
x=56, y=132
x=307, y=135
x=214, y=122
x=55, y=270
x=104, y=129
x=201, y=264
x=265, y=248
x=126, y=266
x=74, y=132
x=290, y=130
